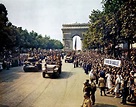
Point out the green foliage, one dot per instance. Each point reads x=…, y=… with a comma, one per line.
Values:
x=128, y=19
x=112, y=6
x=114, y=25
x=34, y=40
x=92, y=37
x=7, y=32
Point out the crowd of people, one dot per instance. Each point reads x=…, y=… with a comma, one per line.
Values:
x=118, y=81
x=18, y=59
x=12, y=60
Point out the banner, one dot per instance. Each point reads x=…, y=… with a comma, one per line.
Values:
x=112, y=62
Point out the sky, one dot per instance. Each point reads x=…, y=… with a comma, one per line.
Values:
x=47, y=16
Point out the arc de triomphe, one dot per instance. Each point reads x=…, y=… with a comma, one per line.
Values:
x=71, y=30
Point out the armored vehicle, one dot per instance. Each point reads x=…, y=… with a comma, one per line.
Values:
x=32, y=65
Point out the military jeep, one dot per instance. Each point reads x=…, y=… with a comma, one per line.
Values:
x=52, y=68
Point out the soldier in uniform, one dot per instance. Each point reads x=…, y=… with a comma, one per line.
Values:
x=101, y=84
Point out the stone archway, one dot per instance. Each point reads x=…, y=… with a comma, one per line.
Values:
x=71, y=30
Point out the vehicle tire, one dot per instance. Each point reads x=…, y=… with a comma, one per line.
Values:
x=59, y=70
x=43, y=74
x=57, y=74
x=50, y=75
x=24, y=69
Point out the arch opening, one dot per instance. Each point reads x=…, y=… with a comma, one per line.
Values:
x=77, y=45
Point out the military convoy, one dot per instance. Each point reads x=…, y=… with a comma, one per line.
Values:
x=49, y=65
x=49, y=62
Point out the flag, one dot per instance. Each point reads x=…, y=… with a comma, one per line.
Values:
x=75, y=43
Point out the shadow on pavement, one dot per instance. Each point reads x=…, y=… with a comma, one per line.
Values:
x=3, y=105
x=65, y=75
x=108, y=105
x=131, y=104
x=10, y=75
x=103, y=105
x=9, y=78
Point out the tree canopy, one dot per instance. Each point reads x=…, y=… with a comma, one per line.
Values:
x=115, y=24
x=7, y=38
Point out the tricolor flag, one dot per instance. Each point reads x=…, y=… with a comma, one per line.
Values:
x=75, y=43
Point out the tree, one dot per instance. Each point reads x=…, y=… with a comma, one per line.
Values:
x=92, y=38
x=128, y=28
x=7, y=37
x=112, y=6
x=114, y=25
